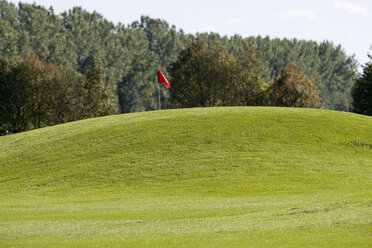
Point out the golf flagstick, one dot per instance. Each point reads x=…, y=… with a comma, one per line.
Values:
x=162, y=79
x=159, y=97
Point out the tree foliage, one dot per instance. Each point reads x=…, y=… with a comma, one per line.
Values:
x=201, y=77
x=362, y=91
x=34, y=94
x=97, y=95
x=23, y=92
x=137, y=87
x=212, y=77
x=131, y=54
x=252, y=76
x=291, y=88
x=325, y=64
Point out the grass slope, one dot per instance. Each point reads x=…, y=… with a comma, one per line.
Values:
x=210, y=177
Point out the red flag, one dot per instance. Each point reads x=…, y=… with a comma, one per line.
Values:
x=162, y=79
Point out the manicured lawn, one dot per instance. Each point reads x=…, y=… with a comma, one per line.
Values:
x=207, y=177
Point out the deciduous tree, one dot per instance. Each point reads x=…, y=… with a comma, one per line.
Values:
x=292, y=88
x=203, y=77
x=212, y=77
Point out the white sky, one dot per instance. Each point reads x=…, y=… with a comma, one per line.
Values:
x=345, y=22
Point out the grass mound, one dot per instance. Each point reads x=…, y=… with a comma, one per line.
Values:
x=208, y=177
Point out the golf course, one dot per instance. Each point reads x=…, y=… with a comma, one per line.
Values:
x=198, y=177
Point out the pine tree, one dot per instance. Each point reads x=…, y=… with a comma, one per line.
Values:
x=98, y=95
x=362, y=91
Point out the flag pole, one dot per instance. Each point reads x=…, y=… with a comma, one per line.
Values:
x=159, y=97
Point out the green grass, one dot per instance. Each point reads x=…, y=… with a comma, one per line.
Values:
x=209, y=177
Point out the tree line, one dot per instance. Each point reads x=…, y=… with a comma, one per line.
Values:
x=208, y=77
x=131, y=54
x=35, y=94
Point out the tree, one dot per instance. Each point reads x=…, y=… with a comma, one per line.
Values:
x=163, y=40
x=291, y=88
x=98, y=95
x=323, y=63
x=22, y=93
x=202, y=77
x=39, y=76
x=137, y=88
x=35, y=94
x=8, y=29
x=252, y=76
x=164, y=43
x=212, y=77
x=12, y=92
x=66, y=96
x=362, y=91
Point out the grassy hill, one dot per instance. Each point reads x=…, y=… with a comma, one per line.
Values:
x=208, y=177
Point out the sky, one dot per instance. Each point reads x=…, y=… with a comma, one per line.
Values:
x=346, y=23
